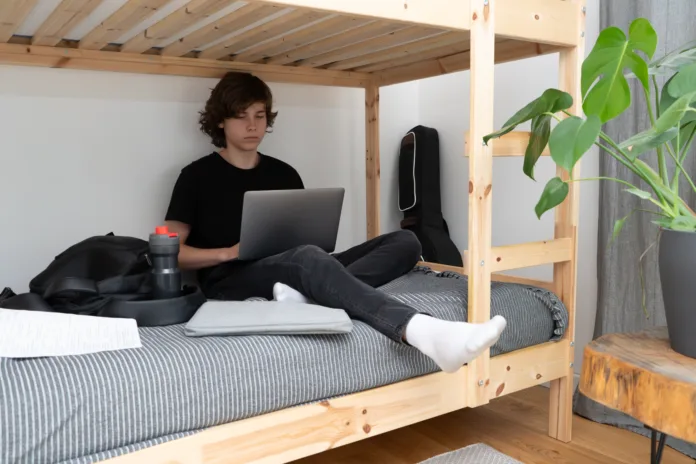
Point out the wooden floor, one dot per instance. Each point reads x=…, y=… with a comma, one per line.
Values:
x=515, y=425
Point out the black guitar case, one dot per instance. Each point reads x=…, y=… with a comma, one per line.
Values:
x=419, y=195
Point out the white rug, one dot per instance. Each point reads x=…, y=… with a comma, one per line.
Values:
x=478, y=453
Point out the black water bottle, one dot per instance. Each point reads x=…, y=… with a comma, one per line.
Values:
x=164, y=256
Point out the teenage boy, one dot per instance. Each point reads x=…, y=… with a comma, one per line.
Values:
x=206, y=211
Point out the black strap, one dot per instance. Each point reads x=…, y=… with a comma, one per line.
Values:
x=71, y=284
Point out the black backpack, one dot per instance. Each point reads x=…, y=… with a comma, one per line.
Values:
x=106, y=276
x=419, y=196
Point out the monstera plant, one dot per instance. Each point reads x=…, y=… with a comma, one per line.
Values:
x=615, y=59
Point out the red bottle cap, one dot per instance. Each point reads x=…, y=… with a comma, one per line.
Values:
x=162, y=230
x=173, y=234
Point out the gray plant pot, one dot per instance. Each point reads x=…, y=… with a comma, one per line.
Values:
x=677, y=261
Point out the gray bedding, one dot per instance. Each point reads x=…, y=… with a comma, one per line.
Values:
x=83, y=409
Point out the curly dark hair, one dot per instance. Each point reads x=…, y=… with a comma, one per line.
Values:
x=235, y=92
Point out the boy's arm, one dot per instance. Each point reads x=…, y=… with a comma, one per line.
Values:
x=191, y=258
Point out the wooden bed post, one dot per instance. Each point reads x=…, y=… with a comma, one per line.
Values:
x=372, y=159
x=480, y=187
x=566, y=226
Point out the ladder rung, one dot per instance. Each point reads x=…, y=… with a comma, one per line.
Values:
x=548, y=285
x=505, y=258
x=511, y=144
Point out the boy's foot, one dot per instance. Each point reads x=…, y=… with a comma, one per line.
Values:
x=282, y=292
x=452, y=344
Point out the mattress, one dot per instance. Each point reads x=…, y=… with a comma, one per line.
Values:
x=83, y=409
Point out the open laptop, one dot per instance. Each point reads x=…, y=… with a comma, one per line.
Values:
x=274, y=221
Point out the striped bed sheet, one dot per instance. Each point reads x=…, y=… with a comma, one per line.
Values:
x=84, y=409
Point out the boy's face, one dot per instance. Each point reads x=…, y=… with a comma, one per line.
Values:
x=245, y=131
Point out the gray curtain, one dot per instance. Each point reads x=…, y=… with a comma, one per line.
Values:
x=619, y=300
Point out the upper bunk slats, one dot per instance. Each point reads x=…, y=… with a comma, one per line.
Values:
x=12, y=15
x=180, y=19
x=311, y=34
x=404, y=51
x=124, y=19
x=67, y=15
x=245, y=16
x=389, y=41
x=269, y=30
x=444, y=14
x=333, y=42
x=409, y=34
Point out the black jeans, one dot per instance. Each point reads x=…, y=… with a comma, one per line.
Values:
x=346, y=280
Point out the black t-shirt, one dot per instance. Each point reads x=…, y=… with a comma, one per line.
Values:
x=209, y=195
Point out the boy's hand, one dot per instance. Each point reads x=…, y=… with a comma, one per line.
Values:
x=229, y=254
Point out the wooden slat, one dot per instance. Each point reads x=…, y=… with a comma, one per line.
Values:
x=480, y=264
x=508, y=257
x=505, y=50
x=238, y=19
x=445, y=14
x=440, y=52
x=289, y=434
x=372, y=160
x=400, y=51
x=545, y=21
x=185, y=16
x=67, y=15
x=283, y=44
x=12, y=15
x=496, y=277
x=373, y=29
x=527, y=367
x=367, y=46
x=566, y=228
x=511, y=144
x=121, y=21
x=268, y=30
x=510, y=279
x=71, y=58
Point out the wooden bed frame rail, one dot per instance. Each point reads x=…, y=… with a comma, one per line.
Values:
x=414, y=39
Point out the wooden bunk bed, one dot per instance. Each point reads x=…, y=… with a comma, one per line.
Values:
x=366, y=44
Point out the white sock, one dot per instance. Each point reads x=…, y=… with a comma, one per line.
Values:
x=452, y=344
x=282, y=292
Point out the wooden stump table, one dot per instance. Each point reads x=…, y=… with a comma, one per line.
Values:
x=641, y=376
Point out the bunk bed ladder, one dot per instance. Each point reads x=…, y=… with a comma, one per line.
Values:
x=480, y=187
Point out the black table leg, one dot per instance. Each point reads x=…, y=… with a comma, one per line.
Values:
x=656, y=446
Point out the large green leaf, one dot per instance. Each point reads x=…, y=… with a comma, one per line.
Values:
x=646, y=141
x=551, y=101
x=642, y=36
x=611, y=54
x=667, y=100
x=541, y=128
x=683, y=82
x=672, y=116
x=553, y=195
x=571, y=138
x=674, y=61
